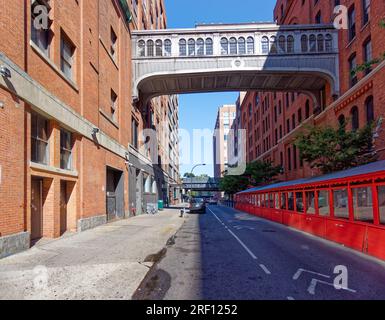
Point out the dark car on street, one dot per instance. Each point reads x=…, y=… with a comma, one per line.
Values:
x=197, y=205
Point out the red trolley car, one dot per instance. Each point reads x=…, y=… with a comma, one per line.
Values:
x=347, y=207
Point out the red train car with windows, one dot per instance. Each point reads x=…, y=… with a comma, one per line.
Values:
x=346, y=207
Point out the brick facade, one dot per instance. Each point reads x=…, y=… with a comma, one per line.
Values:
x=99, y=94
x=273, y=119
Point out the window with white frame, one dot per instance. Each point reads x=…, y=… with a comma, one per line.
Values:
x=39, y=139
x=41, y=34
x=66, y=145
x=67, y=57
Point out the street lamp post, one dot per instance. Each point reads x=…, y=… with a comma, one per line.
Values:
x=198, y=165
x=194, y=167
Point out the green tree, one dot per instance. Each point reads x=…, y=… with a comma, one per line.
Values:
x=189, y=175
x=261, y=172
x=256, y=173
x=233, y=184
x=330, y=149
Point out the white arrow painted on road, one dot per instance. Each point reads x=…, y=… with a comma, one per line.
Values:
x=300, y=271
x=314, y=283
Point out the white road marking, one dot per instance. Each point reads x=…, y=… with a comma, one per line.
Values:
x=300, y=271
x=290, y=298
x=263, y=267
x=314, y=283
x=243, y=227
x=235, y=236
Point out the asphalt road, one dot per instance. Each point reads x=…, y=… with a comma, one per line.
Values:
x=227, y=254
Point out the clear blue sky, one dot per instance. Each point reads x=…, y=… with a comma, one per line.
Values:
x=198, y=111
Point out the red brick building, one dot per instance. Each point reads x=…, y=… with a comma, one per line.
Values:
x=272, y=120
x=69, y=134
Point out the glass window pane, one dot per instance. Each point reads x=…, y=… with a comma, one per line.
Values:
x=271, y=204
x=200, y=47
x=250, y=45
x=233, y=46
x=299, y=202
x=182, y=47
x=209, y=47
x=341, y=204
x=310, y=202
x=363, y=204
x=283, y=201
x=242, y=45
x=277, y=201
x=323, y=203
x=291, y=201
x=381, y=203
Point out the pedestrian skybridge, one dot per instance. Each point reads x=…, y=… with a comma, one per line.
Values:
x=258, y=56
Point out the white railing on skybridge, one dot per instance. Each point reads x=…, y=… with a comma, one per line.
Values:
x=257, y=40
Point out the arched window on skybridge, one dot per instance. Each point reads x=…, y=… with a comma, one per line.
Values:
x=209, y=47
x=191, y=47
x=182, y=47
x=313, y=43
x=200, y=47
x=250, y=45
x=265, y=45
x=282, y=44
x=328, y=43
x=141, y=48
x=290, y=44
x=273, y=45
x=241, y=45
x=167, y=47
x=233, y=46
x=304, y=43
x=150, y=48
x=159, y=48
x=320, y=43
x=224, y=46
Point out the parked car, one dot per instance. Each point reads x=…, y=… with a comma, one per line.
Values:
x=213, y=202
x=197, y=205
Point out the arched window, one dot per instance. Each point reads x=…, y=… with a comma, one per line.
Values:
x=369, y=106
x=273, y=45
x=304, y=43
x=191, y=47
x=150, y=48
x=167, y=47
x=320, y=43
x=209, y=47
x=265, y=45
x=147, y=183
x=182, y=47
x=307, y=109
x=224, y=46
x=233, y=46
x=250, y=45
x=341, y=120
x=282, y=44
x=141, y=48
x=200, y=47
x=158, y=48
x=328, y=43
x=355, y=118
x=290, y=44
x=313, y=43
x=154, y=187
x=241, y=45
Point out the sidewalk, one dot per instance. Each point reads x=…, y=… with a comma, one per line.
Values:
x=108, y=262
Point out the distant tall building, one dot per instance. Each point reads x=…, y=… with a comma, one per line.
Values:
x=225, y=120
